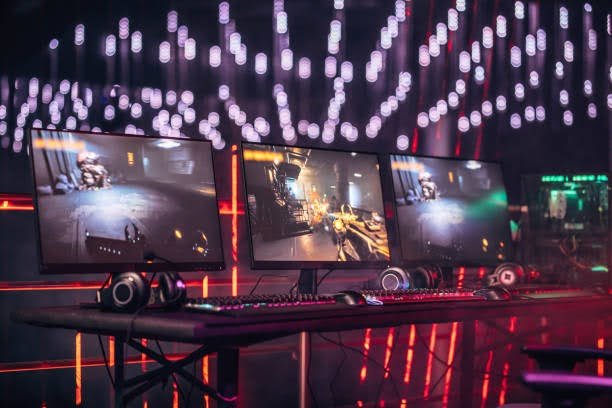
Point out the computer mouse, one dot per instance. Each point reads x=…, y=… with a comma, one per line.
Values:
x=494, y=293
x=350, y=297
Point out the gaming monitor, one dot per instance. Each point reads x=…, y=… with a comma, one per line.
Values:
x=450, y=212
x=567, y=204
x=104, y=201
x=314, y=208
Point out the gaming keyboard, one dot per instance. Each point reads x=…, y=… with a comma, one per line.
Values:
x=402, y=296
x=263, y=304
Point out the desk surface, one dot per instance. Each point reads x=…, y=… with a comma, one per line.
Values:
x=192, y=327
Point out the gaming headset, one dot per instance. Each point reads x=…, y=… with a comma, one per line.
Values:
x=422, y=277
x=506, y=274
x=129, y=291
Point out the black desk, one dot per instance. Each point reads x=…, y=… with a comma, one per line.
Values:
x=225, y=335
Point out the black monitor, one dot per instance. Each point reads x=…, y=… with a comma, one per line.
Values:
x=567, y=203
x=314, y=208
x=450, y=212
x=104, y=201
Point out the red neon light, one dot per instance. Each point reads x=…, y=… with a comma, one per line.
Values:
x=175, y=396
x=404, y=403
x=143, y=356
x=449, y=360
x=600, y=362
x=111, y=351
x=390, y=338
x=461, y=277
x=485, y=380
x=78, y=370
x=506, y=369
x=16, y=202
x=415, y=140
x=432, y=347
x=235, y=220
x=481, y=272
x=205, y=358
x=366, y=351
x=409, y=354
x=225, y=208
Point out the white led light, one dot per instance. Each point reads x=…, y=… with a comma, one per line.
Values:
x=136, y=42
x=441, y=33
x=540, y=113
x=559, y=70
x=346, y=71
x=453, y=99
x=464, y=61
x=434, y=46
x=592, y=110
x=261, y=63
x=289, y=133
x=111, y=45
x=487, y=37
x=224, y=12
x=313, y=131
x=515, y=56
x=424, y=58
x=281, y=22
x=460, y=86
x=563, y=18
x=124, y=28
x=224, y=92
x=304, y=69
x=281, y=99
x=241, y=56
x=500, y=103
x=453, y=20
x=592, y=40
x=171, y=98
x=475, y=118
x=385, y=38
x=79, y=34
x=534, y=79
x=124, y=102
x=479, y=74
x=460, y=4
x=330, y=67
x=530, y=45
x=434, y=115
x=588, y=88
x=463, y=124
x=302, y=127
x=176, y=121
x=400, y=10
x=214, y=56
x=501, y=26
x=190, y=49
x=442, y=107
x=402, y=142
x=286, y=59
x=172, y=21
x=529, y=114
x=164, y=52
x=476, y=52
x=156, y=99
x=136, y=110
x=487, y=108
x=109, y=112
x=393, y=26
x=564, y=97
x=181, y=36
x=519, y=91
x=187, y=97
x=568, y=118
x=422, y=119
x=213, y=119
x=519, y=12
x=541, y=40
x=609, y=101
x=515, y=121
x=53, y=44
x=385, y=109
x=234, y=43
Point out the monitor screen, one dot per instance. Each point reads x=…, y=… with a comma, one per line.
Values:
x=572, y=203
x=451, y=211
x=314, y=208
x=104, y=201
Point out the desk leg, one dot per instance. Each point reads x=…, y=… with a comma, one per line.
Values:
x=119, y=372
x=304, y=369
x=227, y=376
x=467, y=363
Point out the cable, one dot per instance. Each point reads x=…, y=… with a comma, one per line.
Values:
x=178, y=386
x=395, y=388
x=261, y=278
x=110, y=376
x=325, y=276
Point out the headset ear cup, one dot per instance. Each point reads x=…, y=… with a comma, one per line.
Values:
x=422, y=278
x=508, y=274
x=394, y=278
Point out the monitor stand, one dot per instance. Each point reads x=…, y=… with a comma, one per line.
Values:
x=307, y=282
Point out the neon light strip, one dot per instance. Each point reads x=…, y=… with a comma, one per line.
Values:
x=390, y=338
x=366, y=351
x=432, y=347
x=205, y=369
x=235, y=220
x=461, y=277
x=506, y=369
x=449, y=360
x=485, y=380
x=600, y=362
x=78, y=370
x=409, y=354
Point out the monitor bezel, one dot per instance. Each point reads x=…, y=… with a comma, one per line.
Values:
x=86, y=268
x=298, y=265
x=471, y=263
